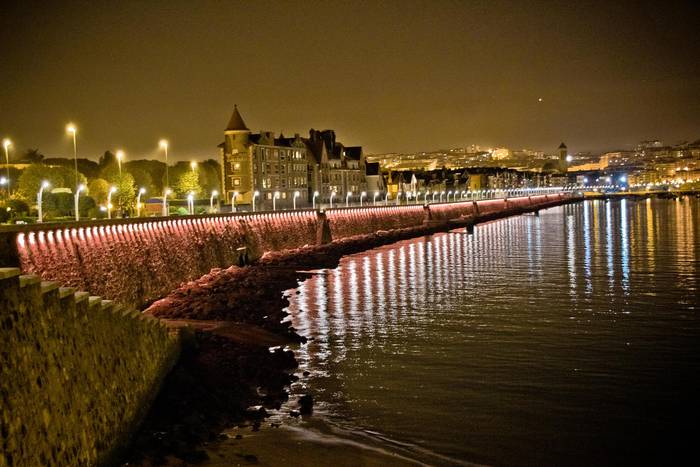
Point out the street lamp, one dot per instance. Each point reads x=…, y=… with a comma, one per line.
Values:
x=70, y=128
x=332, y=196
x=190, y=203
x=233, y=201
x=274, y=200
x=138, y=201
x=442, y=193
x=163, y=144
x=448, y=195
x=39, y=195
x=6, y=143
x=77, y=198
x=398, y=198
x=164, y=212
x=386, y=198
x=374, y=200
x=109, y=201
x=417, y=196
x=294, y=200
x=211, y=200
x=313, y=200
x=425, y=197
x=434, y=195
x=256, y=193
x=120, y=156
x=362, y=195
x=347, y=198
x=193, y=165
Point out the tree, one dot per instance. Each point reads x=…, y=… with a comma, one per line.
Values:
x=98, y=189
x=125, y=195
x=33, y=176
x=188, y=182
x=144, y=169
x=33, y=156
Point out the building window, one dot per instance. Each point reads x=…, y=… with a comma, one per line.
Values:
x=236, y=182
x=236, y=166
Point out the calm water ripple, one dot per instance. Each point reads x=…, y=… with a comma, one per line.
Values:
x=568, y=338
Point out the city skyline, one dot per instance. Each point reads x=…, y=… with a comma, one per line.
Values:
x=597, y=76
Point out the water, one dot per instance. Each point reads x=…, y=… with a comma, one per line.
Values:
x=568, y=338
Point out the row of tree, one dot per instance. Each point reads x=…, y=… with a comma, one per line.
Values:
x=100, y=176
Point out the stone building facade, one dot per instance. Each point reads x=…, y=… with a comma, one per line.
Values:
x=268, y=164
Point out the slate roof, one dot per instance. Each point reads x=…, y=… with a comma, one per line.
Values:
x=236, y=122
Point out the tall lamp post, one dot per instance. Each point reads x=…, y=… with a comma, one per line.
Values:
x=274, y=200
x=138, y=201
x=72, y=130
x=233, y=201
x=6, y=143
x=164, y=211
x=362, y=195
x=398, y=198
x=109, y=201
x=211, y=200
x=163, y=144
x=39, y=195
x=294, y=200
x=77, y=201
x=332, y=196
x=374, y=200
x=120, y=157
x=313, y=200
x=425, y=197
x=347, y=198
x=256, y=193
x=386, y=198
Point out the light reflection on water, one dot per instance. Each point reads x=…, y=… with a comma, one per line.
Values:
x=565, y=338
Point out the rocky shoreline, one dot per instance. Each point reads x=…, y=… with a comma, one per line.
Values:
x=235, y=366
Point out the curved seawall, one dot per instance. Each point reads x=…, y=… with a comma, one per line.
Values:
x=137, y=261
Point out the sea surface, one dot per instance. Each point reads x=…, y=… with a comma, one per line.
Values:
x=568, y=338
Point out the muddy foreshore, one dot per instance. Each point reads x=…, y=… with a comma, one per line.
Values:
x=227, y=374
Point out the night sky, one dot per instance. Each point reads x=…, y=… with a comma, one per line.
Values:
x=390, y=76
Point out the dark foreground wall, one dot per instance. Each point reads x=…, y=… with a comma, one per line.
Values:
x=77, y=373
x=140, y=260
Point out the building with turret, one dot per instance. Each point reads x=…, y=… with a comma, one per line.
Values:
x=268, y=164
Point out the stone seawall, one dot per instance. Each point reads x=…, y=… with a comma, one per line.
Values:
x=77, y=373
x=138, y=261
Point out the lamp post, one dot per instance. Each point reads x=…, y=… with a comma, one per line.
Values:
x=425, y=197
x=193, y=166
x=386, y=198
x=274, y=200
x=214, y=193
x=313, y=199
x=39, y=195
x=190, y=203
x=163, y=144
x=398, y=198
x=294, y=200
x=164, y=212
x=332, y=196
x=434, y=195
x=138, y=201
x=374, y=200
x=233, y=201
x=417, y=197
x=442, y=193
x=81, y=187
x=347, y=198
x=448, y=195
x=6, y=143
x=120, y=156
x=109, y=201
x=256, y=193
x=73, y=130
x=362, y=195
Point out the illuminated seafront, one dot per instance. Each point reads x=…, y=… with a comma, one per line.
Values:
x=568, y=338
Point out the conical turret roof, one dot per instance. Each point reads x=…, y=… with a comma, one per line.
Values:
x=562, y=146
x=236, y=122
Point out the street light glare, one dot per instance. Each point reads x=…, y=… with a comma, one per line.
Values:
x=214, y=193
x=113, y=189
x=6, y=143
x=193, y=164
x=142, y=190
x=120, y=154
x=70, y=128
x=45, y=184
x=163, y=143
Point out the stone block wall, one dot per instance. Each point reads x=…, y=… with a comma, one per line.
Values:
x=77, y=373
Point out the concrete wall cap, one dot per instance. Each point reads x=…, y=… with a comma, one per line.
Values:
x=48, y=286
x=7, y=273
x=80, y=296
x=64, y=292
x=26, y=280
